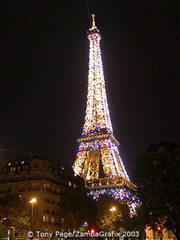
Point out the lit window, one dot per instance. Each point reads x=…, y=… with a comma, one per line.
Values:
x=170, y=234
x=12, y=169
x=44, y=218
x=46, y=185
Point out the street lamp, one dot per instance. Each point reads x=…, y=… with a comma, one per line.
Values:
x=32, y=201
x=113, y=209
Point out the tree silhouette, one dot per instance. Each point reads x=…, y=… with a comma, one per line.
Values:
x=157, y=175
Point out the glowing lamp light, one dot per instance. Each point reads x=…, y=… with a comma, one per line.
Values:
x=159, y=228
x=113, y=209
x=92, y=231
x=33, y=200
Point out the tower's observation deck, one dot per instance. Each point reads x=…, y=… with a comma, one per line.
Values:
x=98, y=160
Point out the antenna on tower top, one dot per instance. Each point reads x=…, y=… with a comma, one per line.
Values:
x=93, y=21
x=93, y=29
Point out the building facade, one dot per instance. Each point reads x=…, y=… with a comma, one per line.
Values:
x=159, y=235
x=46, y=182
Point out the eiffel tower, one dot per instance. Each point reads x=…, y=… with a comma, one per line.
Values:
x=98, y=160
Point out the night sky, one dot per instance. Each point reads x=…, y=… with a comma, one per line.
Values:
x=44, y=74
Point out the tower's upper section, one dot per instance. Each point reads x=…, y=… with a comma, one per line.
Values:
x=97, y=118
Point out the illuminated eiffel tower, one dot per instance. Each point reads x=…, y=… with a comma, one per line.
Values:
x=98, y=160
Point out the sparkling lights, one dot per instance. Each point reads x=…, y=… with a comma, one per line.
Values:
x=124, y=195
x=97, y=112
x=98, y=160
x=97, y=143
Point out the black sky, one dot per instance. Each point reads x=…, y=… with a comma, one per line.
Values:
x=44, y=74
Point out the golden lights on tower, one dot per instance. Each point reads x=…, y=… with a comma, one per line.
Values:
x=97, y=143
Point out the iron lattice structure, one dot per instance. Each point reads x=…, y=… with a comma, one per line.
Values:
x=98, y=160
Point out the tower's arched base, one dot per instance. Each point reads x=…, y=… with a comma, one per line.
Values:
x=119, y=188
